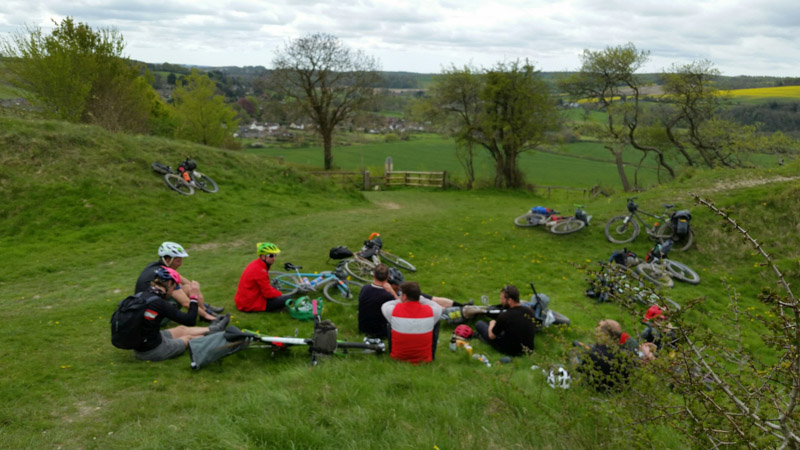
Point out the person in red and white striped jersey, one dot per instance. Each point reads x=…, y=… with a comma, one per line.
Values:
x=414, y=325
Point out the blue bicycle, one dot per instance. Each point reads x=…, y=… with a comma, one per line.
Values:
x=334, y=284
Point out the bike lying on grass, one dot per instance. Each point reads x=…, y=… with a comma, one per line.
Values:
x=361, y=265
x=214, y=347
x=187, y=178
x=539, y=303
x=661, y=270
x=621, y=282
x=554, y=222
x=675, y=226
x=334, y=284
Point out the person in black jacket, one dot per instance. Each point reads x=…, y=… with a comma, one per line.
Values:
x=159, y=344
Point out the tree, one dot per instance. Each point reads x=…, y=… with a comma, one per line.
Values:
x=203, y=116
x=171, y=78
x=79, y=74
x=690, y=106
x=326, y=80
x=608, y=77
x=506, y=109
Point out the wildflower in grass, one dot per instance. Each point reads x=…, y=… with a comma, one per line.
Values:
x=155, y=381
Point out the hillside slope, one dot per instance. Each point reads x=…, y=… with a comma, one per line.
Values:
x=82, y=213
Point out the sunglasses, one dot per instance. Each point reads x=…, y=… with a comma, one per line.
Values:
x=270, y=255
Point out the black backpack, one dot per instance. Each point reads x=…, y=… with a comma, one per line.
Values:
x=127, y=321
x=680, y=222
x=340, y=252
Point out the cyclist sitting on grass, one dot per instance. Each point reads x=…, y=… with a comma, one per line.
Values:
x=171, y=256
x=372, y=297
x=414, y=325
x=606, y=364
x=255, y=291
x=158, y=344
x=513, y=331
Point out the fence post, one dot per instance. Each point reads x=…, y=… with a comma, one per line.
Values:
x=388, y=178
x=405, y=180
x=444, y=179
x=366, y=180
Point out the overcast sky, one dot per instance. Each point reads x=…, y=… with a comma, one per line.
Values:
x=739, y=37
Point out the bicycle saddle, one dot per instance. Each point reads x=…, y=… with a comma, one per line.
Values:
x=290, y=266
x=668, y=206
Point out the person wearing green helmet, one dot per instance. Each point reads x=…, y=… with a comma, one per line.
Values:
x=255, y=291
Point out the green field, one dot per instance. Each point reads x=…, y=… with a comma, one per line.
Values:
x=83, y=213
x=430, y=152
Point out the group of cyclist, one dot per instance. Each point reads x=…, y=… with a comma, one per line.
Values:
x=389, y=308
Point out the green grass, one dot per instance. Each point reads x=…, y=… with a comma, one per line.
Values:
x=83, y=213
x=430, y=152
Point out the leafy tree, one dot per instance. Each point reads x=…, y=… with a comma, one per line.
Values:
x=327, y=81
x=608, y=78
x=79, y=74
x=203, y=116
x=171, y=78
x=506, y=109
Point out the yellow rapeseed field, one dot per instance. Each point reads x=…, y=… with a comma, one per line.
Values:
x=789, y=92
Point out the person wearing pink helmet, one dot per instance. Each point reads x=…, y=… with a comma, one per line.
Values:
x=158, y=344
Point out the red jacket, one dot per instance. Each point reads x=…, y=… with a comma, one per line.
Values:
x=412, y=329
x=255, y=288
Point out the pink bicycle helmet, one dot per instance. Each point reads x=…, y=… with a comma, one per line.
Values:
x=463, y=331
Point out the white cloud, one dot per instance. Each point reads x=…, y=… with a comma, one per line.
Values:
x=739, y=37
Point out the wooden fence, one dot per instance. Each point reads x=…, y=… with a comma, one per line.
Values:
x=364, y=180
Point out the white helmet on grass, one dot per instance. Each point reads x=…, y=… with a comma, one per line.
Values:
x=559, y=377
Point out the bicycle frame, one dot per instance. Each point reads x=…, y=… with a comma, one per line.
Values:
x=633, y=212
x=303, y=286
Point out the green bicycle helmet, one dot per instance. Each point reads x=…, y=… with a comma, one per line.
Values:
x=267, y=248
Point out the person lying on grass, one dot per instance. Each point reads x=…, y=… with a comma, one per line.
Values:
x=171, y=254
x=158, y=344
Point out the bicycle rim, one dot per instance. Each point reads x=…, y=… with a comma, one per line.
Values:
x=178, y=184
x=655, y=274
x=620, y=232
x=359, y=269
x=397, y=261
x=682, y=272
x=343, y=292
x=529, y=220
x=570, y=225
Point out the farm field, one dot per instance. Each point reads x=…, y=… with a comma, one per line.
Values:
x=758, y=95
x=74, y=239
x=429, y=152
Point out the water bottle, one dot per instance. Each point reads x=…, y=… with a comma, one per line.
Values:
x=483, y=359
x=315, y=281
x=453, y=343
x=305, y=282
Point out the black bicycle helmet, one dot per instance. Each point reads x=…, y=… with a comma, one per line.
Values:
x=395, y=276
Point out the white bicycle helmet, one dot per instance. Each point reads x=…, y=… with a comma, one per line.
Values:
x=172, y=250
x=559, y=377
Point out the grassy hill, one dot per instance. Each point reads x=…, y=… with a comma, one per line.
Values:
x=83, y=213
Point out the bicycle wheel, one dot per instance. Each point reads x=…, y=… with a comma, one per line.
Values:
x=529, y=219
x=178, y=184
x=287, y=283
x=205, y=183
x=620, y=231
x=679, y=243
x=570, y=225
x=397, y=261
x=682, y=272
x=343, y=292
x=359, y=269
x=656, y=274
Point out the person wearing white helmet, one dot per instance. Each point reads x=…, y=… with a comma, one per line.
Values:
x=171, y=256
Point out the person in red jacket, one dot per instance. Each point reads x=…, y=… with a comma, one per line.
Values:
x=414, y=323
x=255, y=292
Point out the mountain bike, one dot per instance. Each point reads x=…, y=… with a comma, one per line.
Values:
x=625, y=228
x=554, y=222
x=661, y=270
x=334, y=284
x=187, y=178
x=361, y=265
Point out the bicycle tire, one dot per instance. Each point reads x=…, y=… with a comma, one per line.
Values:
x=178, y=184
x=359, y=269
x=397, y=261
x=205, y=183
x=655, y=274
x=568, y=226
x=679, y=243
x=682, y=272
x=621, y=229
x=530, y=219
x=348, y=297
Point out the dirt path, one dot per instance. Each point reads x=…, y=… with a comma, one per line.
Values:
x=750, y=182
